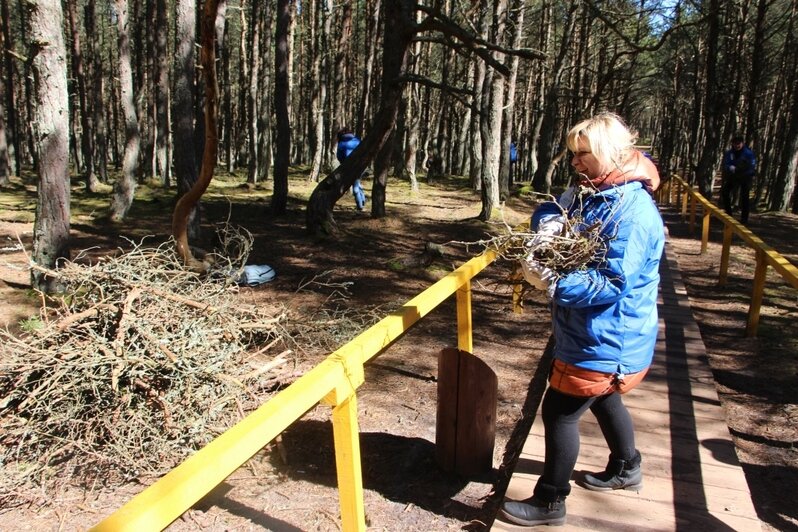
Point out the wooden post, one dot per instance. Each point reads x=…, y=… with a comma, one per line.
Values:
x=464, y=325
x=466, y=417
x=724, y=254
x=705, y=230
x=347, y=464
x=685, y=199
x=760, y=275
x=517, y=279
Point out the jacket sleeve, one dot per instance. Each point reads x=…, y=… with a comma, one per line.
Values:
x=726, y=160
x=628, y=249
x=751, y=162
x=552, y=209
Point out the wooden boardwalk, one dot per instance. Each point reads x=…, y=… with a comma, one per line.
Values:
x=691, y=477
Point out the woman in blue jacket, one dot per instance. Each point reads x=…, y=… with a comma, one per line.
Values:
x=604, y=317
x=347, y=142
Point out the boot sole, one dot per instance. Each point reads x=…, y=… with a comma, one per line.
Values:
x=633, y=487
x=524, y=522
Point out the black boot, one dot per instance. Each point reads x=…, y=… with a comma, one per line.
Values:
x=545, y=507
x=619, y=475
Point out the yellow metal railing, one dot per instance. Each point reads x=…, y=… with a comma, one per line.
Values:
x=676, y=190
x=333, y=382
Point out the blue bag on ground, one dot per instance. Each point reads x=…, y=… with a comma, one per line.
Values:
x=255, y=274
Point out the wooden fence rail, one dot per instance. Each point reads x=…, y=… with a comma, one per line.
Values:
x=333, y=382
x=677, y=191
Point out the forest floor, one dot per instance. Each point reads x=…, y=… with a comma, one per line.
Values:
x=372, y=267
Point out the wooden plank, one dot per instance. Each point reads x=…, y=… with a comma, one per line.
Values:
x=446, y=418
x=476, y=416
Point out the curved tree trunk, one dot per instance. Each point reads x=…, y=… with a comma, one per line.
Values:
x=190, y=199
x=396, y=43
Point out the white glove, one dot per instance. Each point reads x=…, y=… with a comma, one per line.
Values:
x=547, y=230
x=539, y=276
x=732, y=168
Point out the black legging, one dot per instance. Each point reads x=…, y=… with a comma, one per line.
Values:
x=561, y=415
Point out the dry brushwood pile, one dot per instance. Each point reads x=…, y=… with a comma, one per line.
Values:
x=139, y=364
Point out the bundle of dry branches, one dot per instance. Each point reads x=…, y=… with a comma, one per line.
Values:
x=138, y=365
x=575, y=247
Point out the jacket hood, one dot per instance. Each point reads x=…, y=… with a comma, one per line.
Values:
x=637, y=167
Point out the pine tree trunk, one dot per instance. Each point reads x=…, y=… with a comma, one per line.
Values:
x=95, y=64
x=51, y=138
x=163, y=152
x=479, y=81
x=253, y=110
x=517, y=14
x=12, y=154
x=87, y=130
x=491, y=122
x=281, y=108
x=319, y=96
x=125, y=186
x=185, y=162
x=710, y=153
x=549, y=130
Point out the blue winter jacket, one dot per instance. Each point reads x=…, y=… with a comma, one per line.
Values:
x=744, y=162
x=346, y=145
x=604, y=318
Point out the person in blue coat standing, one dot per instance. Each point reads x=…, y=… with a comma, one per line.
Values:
x=604, y=315
x=739, y=168
x=347, y=142
x=513, y=160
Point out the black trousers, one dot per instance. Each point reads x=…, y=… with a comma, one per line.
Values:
x=561, y=414
x=742, y=184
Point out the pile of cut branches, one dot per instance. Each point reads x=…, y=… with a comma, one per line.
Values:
x=139, y=364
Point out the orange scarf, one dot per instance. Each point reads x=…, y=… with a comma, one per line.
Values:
x=637, y=167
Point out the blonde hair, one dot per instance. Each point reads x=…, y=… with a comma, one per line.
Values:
x=607, y=137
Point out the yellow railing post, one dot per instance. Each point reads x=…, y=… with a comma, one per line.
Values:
x=728, y=231
x=347, y=465
x=693, y=203
x=517, y=278
x=347, y=445
x=705, y=230
x=685, y=198
x=465, y=340
x=757, y=294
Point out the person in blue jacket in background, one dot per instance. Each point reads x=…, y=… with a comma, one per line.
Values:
x=347, y=142
x=739, y=168
x=513, y=160
x=604, y=316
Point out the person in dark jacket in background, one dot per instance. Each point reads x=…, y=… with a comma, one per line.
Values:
x=604, y=316
x=347, y=142
x=739, y=168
